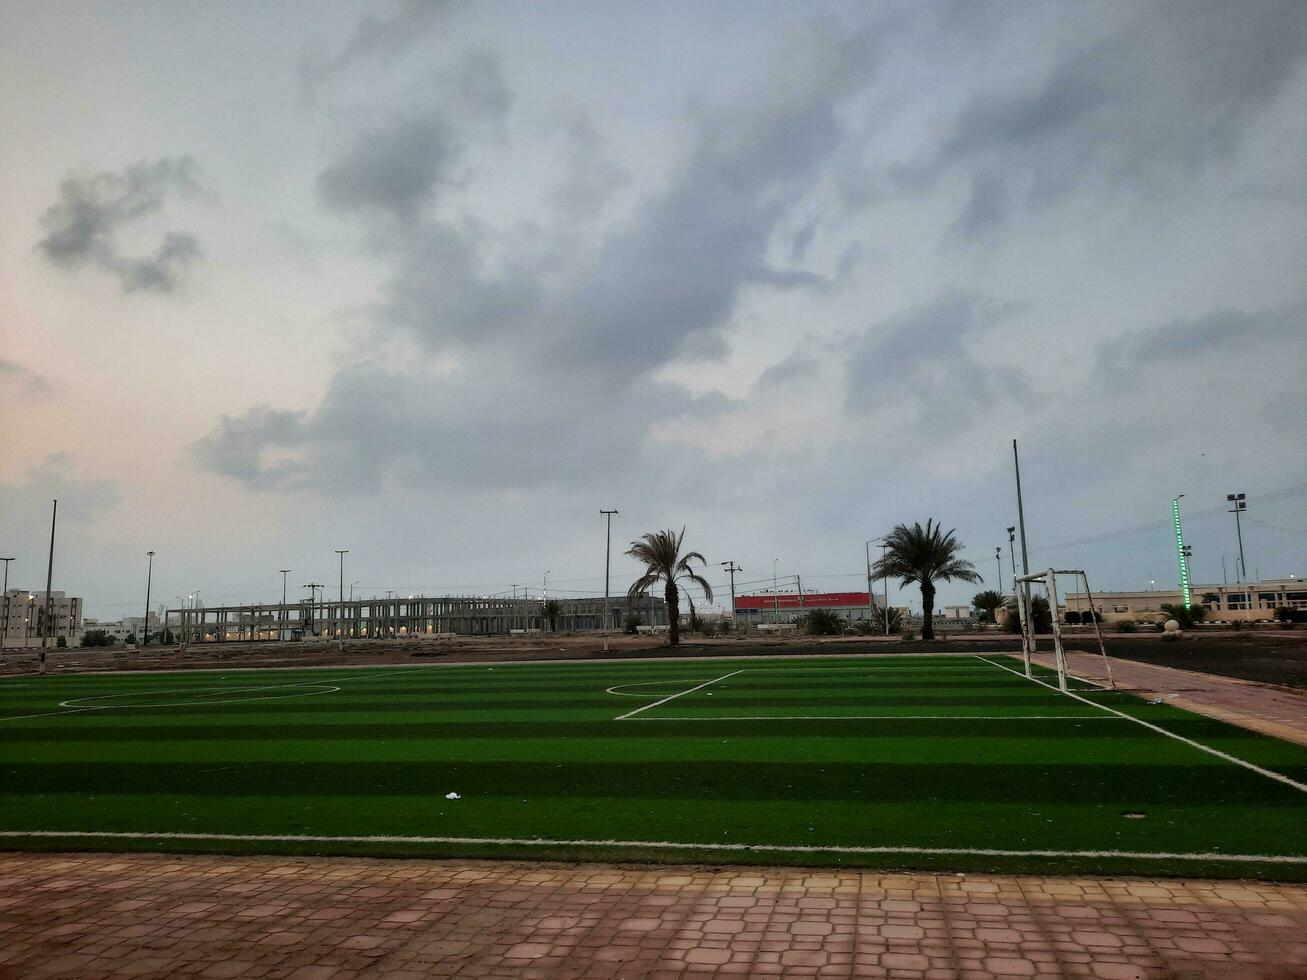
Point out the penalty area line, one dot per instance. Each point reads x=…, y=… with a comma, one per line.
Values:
x=1268, y=773
x=656, y=845
x=678, y=694
x=880, y=718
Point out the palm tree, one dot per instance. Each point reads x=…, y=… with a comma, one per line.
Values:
x=924, y=556
x=550, y=609
x=987, y=602
x=660, y=551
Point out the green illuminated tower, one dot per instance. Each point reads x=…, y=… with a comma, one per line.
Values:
x=1179, y=551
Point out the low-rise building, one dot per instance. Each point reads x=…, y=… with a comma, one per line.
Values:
x=1249, y=602
x=782, y=607
x=23, y=617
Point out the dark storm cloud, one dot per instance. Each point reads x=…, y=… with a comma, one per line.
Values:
x=393, y=169
x=920, y=361
x=83, y=227
x=383, y=37
x=18, y=382
x=1171, y=91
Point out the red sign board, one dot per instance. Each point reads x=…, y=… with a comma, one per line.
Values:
x=792, y=600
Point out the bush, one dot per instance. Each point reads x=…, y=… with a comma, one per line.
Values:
x=96, y=638
x=875, y=626
x=60, y=642
x=1186, y=616
x=1039, y=614
x=726, y=625
x=1126, y=626
x=1072, y=618
x=823, y=622
x=630, y=624
x=707, y=627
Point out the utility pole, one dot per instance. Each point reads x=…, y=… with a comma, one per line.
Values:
x=1240, y=503
x=313, y=598
x=998, y=560
x=145, y=625
x=608, y=551
x=731, y=567
x=49, y=579
x=4, y=629
x=1027, y=644
x=775, y=594
x=884, y=546
x=281, y=631
x=871, y=602
x=340, y=635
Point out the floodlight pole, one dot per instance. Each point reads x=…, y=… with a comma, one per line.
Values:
x=145, y=625
x=1012, y=555
x=49, y=579
x=4, y=629
x=1239, y=503
x=608, y=554
x=1025, y=554
x=998, y=562
x=281, y=620
x=1179, y=550
x=883, y=547
x=340, y=635
x=871, y=602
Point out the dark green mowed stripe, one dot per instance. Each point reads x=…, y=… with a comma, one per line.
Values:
x=681, y=780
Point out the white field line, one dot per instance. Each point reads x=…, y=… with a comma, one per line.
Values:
x=623, y=694
x=657, y=845
x=303, y=691
x=878, y=718
x=1268, y=773
x=678, y=694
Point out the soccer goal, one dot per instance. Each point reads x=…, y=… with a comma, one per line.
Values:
x=1048, y=579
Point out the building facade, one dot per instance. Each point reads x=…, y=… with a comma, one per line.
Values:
x=783, y=607
x=1250, y=602
x=24, y=613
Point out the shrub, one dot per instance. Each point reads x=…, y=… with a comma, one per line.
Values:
x=1072, y=617
x=876, y=624
x=726, y=625
x=96, y=638
x=1039, y=614
x=1186, y=616
x=1126, y=626
x=630, y=623
x=823, y=622
x=60, y=642
x=707, y=627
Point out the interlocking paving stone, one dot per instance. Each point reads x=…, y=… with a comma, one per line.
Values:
x=85, y=916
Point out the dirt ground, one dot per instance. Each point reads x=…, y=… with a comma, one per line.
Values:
x=1268, y=656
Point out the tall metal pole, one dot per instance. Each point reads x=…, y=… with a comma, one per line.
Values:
x=998, y=561
x=1012, y=555
x=4, y=629
x=49, y=580
x=1181, y=556
x=775, y=594
x=608, y=553
x=1026, y=642
x=340, y=633
x=731, y=567
x=1240, y=504
x=281, y=627
x=871, y=600
x=883, y=546
x=145, y=626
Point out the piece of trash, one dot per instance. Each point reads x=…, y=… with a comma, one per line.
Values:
x=452, y=796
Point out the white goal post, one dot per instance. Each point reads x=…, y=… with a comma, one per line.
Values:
x=1048, y=579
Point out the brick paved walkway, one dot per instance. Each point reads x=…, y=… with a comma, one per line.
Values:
x=163, y=916
x=1276, y=711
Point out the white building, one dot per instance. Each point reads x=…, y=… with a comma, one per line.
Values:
x=23, y=617
x=1250, y=602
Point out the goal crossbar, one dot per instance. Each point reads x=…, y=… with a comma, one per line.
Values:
x=1048, y=579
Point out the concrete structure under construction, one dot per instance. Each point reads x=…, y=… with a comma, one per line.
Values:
x=404, y=616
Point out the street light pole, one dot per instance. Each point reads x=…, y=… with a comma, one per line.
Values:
x=4, y=629
x=1182, y=554
x=608, y=552
x=998, y=560
x=883, y=546
x=49, y=579
x=775, y=594
x=281, y=629
x=1240, y=504
x=340, y=635
x=1012, y=555
x=871, y=602
x=145, y=625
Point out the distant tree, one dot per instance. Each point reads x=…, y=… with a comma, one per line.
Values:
x=923, y=556
x=130, y=638
x=630, y=624
x=551, y=609
x=1286, y=615
x=1072, y=617
x=96, y=638
x=987, y=604
x=1041, y=616
x=660, y=553
x=60, y=642
x=823, y=622
x=875, y=624
x=1211, y=598
x=726, y=625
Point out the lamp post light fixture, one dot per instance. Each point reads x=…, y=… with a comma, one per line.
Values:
x=1239, y=504
x=998, y=561
x=4, y=627
x=145, y=624
x=608, y=552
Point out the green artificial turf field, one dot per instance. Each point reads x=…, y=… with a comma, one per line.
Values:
x=902, y=761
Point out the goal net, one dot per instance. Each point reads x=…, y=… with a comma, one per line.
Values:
x=1048, y=581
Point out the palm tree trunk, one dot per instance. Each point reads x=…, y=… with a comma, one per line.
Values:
x=672, y=595
x=927, y=611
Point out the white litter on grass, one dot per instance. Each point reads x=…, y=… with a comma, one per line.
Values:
x=452, y=796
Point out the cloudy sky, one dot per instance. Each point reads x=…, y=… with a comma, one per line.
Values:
x=436, y=281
